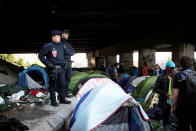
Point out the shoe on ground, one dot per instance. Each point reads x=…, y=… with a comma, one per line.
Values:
x=54, y=103
x=63, y=101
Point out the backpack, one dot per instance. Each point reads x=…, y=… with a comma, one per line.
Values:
x=190, y=81
x=112, y=74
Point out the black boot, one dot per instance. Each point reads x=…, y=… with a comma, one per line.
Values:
x=69, y=95
x=64, y=101
x=54, y=103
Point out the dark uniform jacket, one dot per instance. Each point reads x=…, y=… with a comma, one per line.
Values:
x=162, y=87
x=68, y=49
x=52, y=53
x=180, y=83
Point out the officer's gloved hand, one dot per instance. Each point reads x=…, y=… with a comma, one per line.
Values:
x=51, y=66
x=51, y=71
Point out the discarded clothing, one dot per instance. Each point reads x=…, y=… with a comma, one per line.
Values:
x=2, y=101
x=16, y=96
x=11, y=124
x=9, y=90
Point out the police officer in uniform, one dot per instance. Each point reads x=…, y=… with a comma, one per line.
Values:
x=68, y=52
x=52, y=56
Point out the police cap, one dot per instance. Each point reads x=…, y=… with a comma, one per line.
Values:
x=66, y=31
x=55, y=32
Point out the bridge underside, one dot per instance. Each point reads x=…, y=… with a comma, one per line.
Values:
x=25, y=25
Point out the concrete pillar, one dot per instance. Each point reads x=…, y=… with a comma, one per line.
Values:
x=180, y=50
x=111, y=58
x=91, y=59
x=127, y=59
x=100, y=61
x=91, y=62
x=147, y=55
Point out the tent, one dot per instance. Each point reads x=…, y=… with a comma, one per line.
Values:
x=143, y=88
x=92, y=82
x=107, y=107
x=78, y=77
x=34, y=77
x=136, y=81
x=144, y=92
x=126, y=84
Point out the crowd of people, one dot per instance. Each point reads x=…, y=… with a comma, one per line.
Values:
x=177, y=91
x=116, y=69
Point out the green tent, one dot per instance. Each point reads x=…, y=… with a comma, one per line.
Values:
x=144, y=87
x=77, y=77
x=143, y=90
x=95, y=74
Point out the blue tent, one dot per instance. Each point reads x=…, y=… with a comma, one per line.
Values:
x=104, y=108
x=31, y=77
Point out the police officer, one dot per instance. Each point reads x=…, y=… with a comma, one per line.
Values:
x=52, y=56
x=68, y=52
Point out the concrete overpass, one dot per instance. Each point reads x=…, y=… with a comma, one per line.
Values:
x=101, y=28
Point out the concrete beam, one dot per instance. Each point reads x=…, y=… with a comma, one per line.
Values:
x=127, y=59
x=91, y=59
x=98, y=57
x=111, y=58
x=100, y=61
x=147, y=55
x=179, y=50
